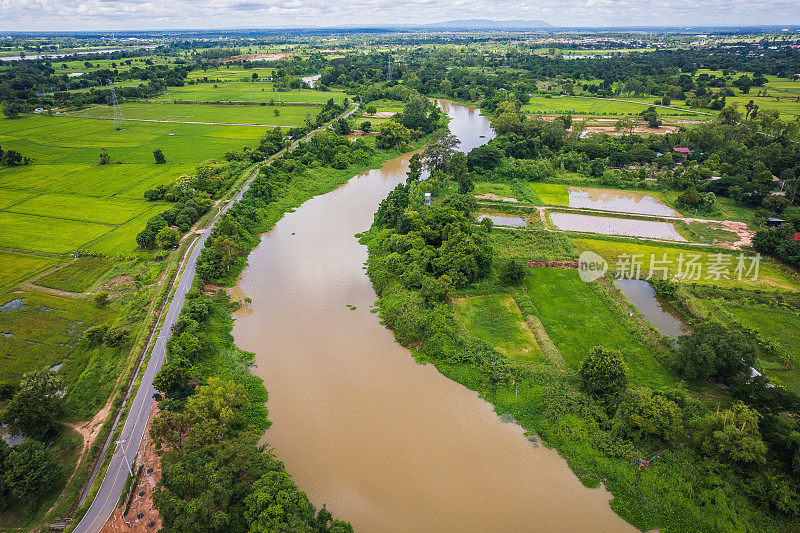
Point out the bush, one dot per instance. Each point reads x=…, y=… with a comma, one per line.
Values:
x=604, y=372
x=512, y=272
x=732, y=436
x=643, y=415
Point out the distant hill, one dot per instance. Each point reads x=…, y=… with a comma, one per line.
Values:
x=483, y=24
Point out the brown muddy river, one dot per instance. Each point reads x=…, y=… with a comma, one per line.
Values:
x=386, y=443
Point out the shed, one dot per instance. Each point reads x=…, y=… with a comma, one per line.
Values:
x=685, y=152
x=796, y=236
x=773, y=222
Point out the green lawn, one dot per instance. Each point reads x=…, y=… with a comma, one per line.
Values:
x=619, y=253
x=577, y=318
x=497, y=320
x=17, y=267
x=77, y=276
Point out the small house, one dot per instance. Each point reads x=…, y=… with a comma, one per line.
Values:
x=682, y=150
x=427, y=198
x=796, y=236
x=773, y=222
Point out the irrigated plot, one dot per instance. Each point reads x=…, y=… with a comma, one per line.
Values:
x=78, y=276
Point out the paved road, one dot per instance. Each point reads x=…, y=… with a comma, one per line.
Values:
x=136, y=424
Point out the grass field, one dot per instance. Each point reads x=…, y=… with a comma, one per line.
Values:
x=577, y=105
x=496, y=319
x=530, y=245
x=619, y=252
x=551, y=193
x=77, y=276
x=247, y=91
x=226, y=114
x=577, y=319
x=65, y=201
x=44, y=331
x=17, y=267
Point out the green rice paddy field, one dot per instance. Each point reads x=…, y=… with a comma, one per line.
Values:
x=256, y=91
x=66, y=202
x=226, y=114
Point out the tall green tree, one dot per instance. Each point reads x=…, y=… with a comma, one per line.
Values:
x=36, y=406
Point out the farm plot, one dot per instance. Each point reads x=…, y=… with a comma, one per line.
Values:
x=77, y=276
x=620, y=254
x=284, y=115
x=576, y=105
x=17, y=267
x=497, y=320
x=243, y=91
x=577, y=318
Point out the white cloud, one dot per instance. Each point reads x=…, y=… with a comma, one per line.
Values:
x=163, y=14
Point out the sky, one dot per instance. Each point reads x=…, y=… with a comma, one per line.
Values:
x=44, y=15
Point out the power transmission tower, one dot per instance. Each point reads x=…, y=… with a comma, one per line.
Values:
x=389, y=73
x=119, y=121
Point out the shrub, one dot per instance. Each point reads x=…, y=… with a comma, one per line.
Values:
x=604, y=371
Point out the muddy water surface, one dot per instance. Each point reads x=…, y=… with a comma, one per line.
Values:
x=616, y=226
x=657, y=310
x=386, y=443
x=500, y=220
x=623, y=202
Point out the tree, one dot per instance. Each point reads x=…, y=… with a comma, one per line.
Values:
x=414, y=168
x=171, y=377
x=438, y=152
x=159, y=156
x=604, y=371
x=255, y=75
x=461, y=174
x=624, y=125
x=644, y=415
x=691, y=198
x=485, y=157
x=35, y=408
x=651, y=116
x=732, y=436
x=11, y=109
x=366, y=126
x=729, y=116
x=29, y=470
x=714, y=351
x=275, y=501
x=167, y=237
x=104, y=157
x=276, y=112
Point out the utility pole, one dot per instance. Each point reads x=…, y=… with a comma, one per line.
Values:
x=120, y=443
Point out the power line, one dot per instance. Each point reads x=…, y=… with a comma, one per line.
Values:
x=119, y=120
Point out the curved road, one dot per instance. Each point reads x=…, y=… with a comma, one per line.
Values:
x=136, y=424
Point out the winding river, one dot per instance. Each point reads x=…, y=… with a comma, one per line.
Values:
x=386, y=443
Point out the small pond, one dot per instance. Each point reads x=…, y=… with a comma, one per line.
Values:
x=648, y=229
x=657, y=310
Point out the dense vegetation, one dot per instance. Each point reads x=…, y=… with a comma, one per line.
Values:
x=671, y=461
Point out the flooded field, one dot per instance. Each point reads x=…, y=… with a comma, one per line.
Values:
x=500, y=220
x=386, y=443
x=621, y=201
x=658, y=311
x=616, y=226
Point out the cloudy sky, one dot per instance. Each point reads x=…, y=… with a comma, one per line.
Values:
x=169, y=14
